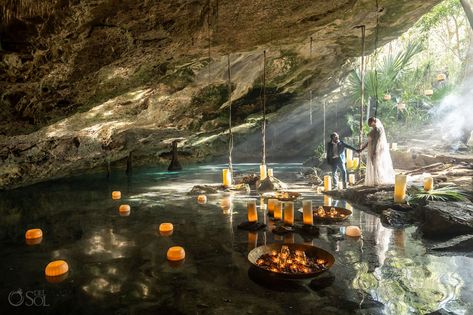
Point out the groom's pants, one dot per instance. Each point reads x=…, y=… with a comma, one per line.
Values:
x=336, y=165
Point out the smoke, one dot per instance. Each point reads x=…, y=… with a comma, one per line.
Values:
x=454, y=114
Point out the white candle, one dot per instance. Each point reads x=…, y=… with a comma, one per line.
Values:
x=252, y=213
x=271, y=204
x=351, y=179
x=307, y=216
x=262, y=172
x=327, y=182
x=400, y=187
x=353, y=231
x=394, y=146
x=428, y=183
x=349, y=155
x=289, y=213
x=278, y=210
x=227, y=177
x=327, y=200
x=270, y=172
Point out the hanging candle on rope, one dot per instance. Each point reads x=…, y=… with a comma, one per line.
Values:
x=263, y=171
x=387, y=97
x=441, y=77
x=429, y=92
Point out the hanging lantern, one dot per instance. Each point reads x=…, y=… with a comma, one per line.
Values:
x=401, y=106
x=166, y=229
x=387, y=97
x=441, y=77
x=428, y=92
x=353, y=231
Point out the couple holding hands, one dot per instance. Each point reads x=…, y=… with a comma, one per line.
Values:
x=379, y=166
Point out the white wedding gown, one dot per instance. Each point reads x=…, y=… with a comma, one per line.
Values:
x=379, y=166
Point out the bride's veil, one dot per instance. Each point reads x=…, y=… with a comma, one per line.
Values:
x=380, y=166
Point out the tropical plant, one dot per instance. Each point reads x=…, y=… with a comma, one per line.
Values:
x=448, y=193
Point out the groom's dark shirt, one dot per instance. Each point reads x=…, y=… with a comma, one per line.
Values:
x=341, y=146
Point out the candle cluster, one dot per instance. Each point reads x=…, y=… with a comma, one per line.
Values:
x=286, y=261
x=332, y=213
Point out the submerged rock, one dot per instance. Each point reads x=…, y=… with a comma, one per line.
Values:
x=397, y=219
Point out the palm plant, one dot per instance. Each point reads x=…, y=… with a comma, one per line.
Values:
x=440, y=194
x=386, y=76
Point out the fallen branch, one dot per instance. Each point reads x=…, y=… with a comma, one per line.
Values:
x=425, y=168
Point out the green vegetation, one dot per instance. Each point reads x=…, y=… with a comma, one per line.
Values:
x=439, y=194
x=409, y=77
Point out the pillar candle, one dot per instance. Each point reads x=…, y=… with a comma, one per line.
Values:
x=351, y=179
x=355, y=161
x=252, y=213
x=227, y=177
x=252, y=240
x=350, y=164
x=327, y=200
x=393, y=146
x=400, y=187
x=278, y=210
x=271, y=204
x=262, y=172
x=349, y=155
x=428, y=183
x=340, y=185
x=270, y=172
x=307, y=215
x=289, y=213
x=327, y=182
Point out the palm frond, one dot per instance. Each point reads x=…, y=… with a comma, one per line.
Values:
x=440, y=194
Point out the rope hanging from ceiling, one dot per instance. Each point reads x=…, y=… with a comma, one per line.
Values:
x=263, y=101
x=376, y=61
x=230, y=133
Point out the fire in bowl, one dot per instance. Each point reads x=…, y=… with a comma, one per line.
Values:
x=330, y=214
x=291, y=261
x=282, y=195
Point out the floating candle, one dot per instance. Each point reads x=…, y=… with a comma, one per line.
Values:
x=116, y=195
x=201, y=199
x=56, y=268
x=307, y=216
x=176, y=253
x=33, y=234
x=353, y=231
x=124, y=210
x=166, y=229
x=252, y=213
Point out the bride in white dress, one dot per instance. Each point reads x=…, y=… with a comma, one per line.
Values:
x=379, y=166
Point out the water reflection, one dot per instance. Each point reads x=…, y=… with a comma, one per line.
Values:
x=121, y=262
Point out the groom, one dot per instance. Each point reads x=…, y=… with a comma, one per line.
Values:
x=336, y=158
